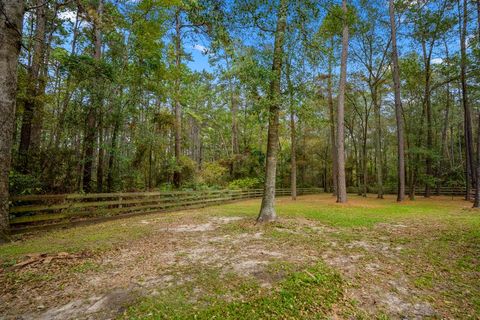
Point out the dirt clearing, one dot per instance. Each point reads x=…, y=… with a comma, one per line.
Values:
x=402, y=269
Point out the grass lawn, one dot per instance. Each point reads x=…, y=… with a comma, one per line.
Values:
x=366, y=259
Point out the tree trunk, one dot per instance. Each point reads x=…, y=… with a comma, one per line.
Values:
x=68, y=91
x=101, y=153
x=177, y=179
x=476, y=204
x=378, y=142
x=332, y=126
x=33, y=89
x=10, y=39
x=364, y=157
x=293, y=142
x=398, y=106
x=90, y=134
x=428, y=109
x=111, y=159
x=467, y=117
x=267, y=211
x=234, y=99
x=341, y=184
x=442, y=163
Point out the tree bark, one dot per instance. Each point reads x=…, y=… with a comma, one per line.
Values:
x=341, y=184
x=11, y=18
x=398, y=107
x=267, y=210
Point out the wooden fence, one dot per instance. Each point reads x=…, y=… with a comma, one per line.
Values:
x=29, y=212
x=420, y=191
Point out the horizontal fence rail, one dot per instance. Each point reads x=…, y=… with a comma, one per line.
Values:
x=28, y=212
x=442, y=191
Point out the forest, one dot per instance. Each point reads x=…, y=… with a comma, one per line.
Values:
x=143, y=95
x=362, y=99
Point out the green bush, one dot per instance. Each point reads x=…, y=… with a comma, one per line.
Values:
x=23, y=184
x=212, y=174
x=245, y=183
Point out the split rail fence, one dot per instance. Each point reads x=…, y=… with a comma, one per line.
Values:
x=29, y=212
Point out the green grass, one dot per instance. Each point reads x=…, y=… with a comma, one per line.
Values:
x=106, y=235
x=89, y=238
x=362, y=213
x=309, y=294
x=439, y=254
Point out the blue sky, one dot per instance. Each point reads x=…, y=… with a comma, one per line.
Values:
x=199, y=60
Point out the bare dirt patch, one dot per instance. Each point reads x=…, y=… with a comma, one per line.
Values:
x=117, y=278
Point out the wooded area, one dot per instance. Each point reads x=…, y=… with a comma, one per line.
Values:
x=158, y=95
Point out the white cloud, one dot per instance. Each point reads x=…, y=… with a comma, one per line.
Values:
x=437, y=61
x=68, y=15
x=200, y=48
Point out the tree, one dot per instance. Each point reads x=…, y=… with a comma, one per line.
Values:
x=341, y=183
x=95, y=104
x=467, y=116
x=372, y=53
x=34, y=88
x=267, y=210
x=476, y=203
x=11, y=20
x=398, y=106
x=293, y=136
x=177, y=179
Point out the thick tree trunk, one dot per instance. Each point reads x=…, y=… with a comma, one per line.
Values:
x=341, y=184
x=33, y=89
x=398, y=107
x=267, y=210
x=10, y=39
x=177, y=179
